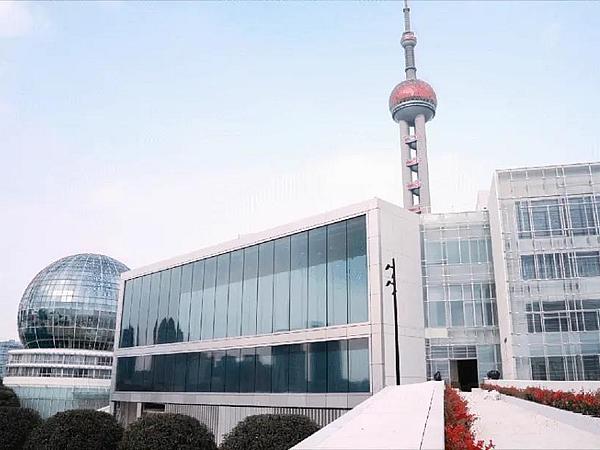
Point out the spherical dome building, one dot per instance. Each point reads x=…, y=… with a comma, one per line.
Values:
x=66, y=321
x=72, y=303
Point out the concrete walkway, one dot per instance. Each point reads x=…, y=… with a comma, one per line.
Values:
x=512, y=427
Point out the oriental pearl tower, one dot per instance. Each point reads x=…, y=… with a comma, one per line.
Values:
x=412, y=104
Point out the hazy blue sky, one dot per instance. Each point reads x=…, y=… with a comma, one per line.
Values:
x=146, y=130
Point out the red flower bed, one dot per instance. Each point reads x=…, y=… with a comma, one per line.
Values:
x=457, y=424
x=580, y=402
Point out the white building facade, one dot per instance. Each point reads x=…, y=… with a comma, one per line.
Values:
x=294, y=319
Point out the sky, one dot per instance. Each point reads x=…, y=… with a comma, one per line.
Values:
x=147, y=130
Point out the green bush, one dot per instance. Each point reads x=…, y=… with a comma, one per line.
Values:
x=15, y=426
x=78, y=429
x=269, y=432
x=8, y=397
x=167, y=431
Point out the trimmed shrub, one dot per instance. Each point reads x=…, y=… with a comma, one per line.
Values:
x=78, y=429
x=578, y=402
x=8, y=397
x=167, y=431
x=458, y=422
x=269, y=431
x=15, y=426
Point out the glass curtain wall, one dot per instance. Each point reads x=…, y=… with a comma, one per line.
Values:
x=321, y=367
x=311, y=279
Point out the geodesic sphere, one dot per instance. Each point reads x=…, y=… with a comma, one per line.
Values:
x=72, y=303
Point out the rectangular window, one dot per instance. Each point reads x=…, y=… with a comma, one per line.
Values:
x=358, y=302
x=217, y=382
x=297, y=368
x=173, y=331
x=205, y=364
x=163, y=308
x=196, y=300
x=337, y=366
x=433, y=252
x=527, y=267
x=453, y=252
x=538, y=369
x=317, y=367
x=264, y=321
x=437, y=314
x=208, y=298
x=337, y=275
x=556, y=368
x=281, y=285
x=234, y=308
x=250, y=291
x=358, y=365
x=221, y=296
x=144, y=305
x=588, y=264
x=126, y=332
x=263, y=369
x=581, y=215
x=248, y=370
x=192, y=375
x=591, y=367
x=299, y=281
x=180, y=369
x=457, y=314
x=232, y=371
x=280, y=368
x=317, y=277
x=185, y=299
x=152, y=332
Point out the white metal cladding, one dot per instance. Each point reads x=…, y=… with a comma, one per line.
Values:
x=222, y=419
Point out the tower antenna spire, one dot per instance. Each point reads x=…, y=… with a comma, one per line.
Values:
x=406, y=11
x=408, y=41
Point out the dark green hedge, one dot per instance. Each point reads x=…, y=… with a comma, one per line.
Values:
x=167, y=432
x=15, y=426
x=269, y=432
x=8, y=397
x=78, y=429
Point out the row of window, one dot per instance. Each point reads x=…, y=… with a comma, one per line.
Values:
x=311, y=279
x=555, y=317
x=548, y=266
x=460, y=291
x=458, y=251
x=561, y=368
x=461, y=314
x=49, y=358
x=58, y=372
x=571, y=216
x=331, y=366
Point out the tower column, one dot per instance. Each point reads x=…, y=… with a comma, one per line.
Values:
x=424, y=197
x=406, y=171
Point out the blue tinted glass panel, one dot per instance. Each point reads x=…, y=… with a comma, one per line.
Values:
x=147, y=373
x=234, y=309
x=358, y=365
x=264, y=322
x=218, y=372
x=250, y=291
x=232, y=371
x=337, y=275
x=134, y=313
x=317, y=277
x=297, y=370
x=163, y=308
x=221, y=296
x=152, y=332
x=196, y=301
x=357, y=271
x=281, y=285
x=173, y=331
x=299, y=281
x=280, y=368
x=204, y=372
x=317, y=367
x=247, y=370
x=337, y=366
x=144, y=305
x=208, y=298
x=179, y=372
x=185, y=300
x=125, y=373
x=192, y=376
x=126, y=331
x=264, y=364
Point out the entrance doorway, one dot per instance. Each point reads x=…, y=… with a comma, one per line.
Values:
x=463, y=374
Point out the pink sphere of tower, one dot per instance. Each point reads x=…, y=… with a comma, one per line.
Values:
x=411, y=98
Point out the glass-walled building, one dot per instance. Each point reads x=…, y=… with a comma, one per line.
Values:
x=546, y=230
x=294, y=319
x=461, y=319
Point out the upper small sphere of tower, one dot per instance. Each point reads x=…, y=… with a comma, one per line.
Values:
x=411, y=98
x=408, y=38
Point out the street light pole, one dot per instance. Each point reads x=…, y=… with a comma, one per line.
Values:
x=392, y=282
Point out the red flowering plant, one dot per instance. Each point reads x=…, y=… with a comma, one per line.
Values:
x=458, y=422
x=578, y=402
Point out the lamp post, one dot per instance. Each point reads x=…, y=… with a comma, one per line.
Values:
x=392, y=282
